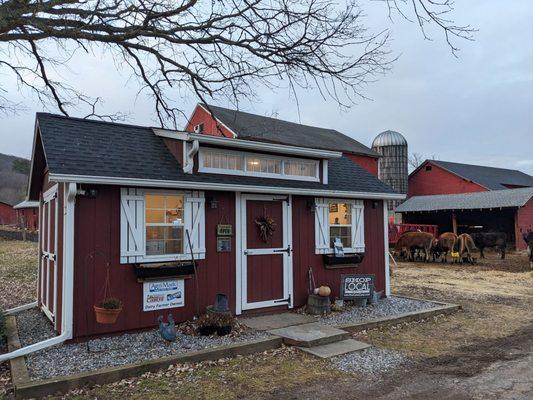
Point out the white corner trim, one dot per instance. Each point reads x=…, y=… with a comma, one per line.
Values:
x=105, y=180
x=386, y=246
x=325, y=172
x=69, y=202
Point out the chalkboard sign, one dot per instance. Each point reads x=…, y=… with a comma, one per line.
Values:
x=354, y=286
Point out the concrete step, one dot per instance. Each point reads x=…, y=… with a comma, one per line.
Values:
x=309, y=335
x=336, y=348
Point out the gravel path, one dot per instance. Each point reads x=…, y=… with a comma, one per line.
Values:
x=33, y=327
x=373, y=361
x=384, y=308
x=119, y=350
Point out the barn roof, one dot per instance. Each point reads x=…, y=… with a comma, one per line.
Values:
x=490, y=177
x=27, y=204
x=466, y=201
x=257, y=127
x=104, y=150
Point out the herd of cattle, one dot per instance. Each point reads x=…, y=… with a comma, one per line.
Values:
x=423, y=245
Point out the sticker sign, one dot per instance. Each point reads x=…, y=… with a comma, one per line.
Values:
x=158, y=295
x=356, y=286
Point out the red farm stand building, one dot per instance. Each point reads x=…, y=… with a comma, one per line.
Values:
x=261, y=199
x=8, y=215
x=27, y=215
x=470, y=198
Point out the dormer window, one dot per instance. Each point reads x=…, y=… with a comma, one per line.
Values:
x=223, y=161
x=199, y=128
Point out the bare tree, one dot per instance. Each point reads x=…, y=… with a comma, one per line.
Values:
x=210, y=48
x=415, y=160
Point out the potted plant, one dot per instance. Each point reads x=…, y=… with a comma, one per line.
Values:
x=107, y=310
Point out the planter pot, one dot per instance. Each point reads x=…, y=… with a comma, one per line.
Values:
x=223, y=330
x=105, y=316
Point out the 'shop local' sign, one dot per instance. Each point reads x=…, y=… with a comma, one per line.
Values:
x=357, y=286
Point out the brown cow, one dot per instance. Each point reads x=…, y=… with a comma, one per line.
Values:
x=465, y=244
x=412, y=241
x=444, y=244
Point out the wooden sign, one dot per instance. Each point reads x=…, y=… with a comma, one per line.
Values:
x=354, y=286
x=223, y=244
x=224, y=230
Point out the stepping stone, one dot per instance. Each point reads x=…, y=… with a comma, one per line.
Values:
x=336, y=349
x=308, y=335
x=275, y=321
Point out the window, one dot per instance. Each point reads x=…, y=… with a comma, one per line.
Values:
x=164, y=224
x=154, y=225
x=339, y=218
x=340, y=223
x=221, y=161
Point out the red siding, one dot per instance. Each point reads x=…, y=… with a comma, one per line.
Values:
x=28, y=218
x=211, y=126
x=524, y=223
x=8, y=215
x=98, y=234
x=370, y=164
x=439, y=181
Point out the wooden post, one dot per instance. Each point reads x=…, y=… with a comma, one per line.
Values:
x=454, y=222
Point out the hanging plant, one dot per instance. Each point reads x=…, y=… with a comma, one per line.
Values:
x=266, y=226
x=107, y=310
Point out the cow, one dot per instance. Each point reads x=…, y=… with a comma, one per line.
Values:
x=497, y=240
x=412, y=241
x=528, y=238
x=444, y=244
x=465, y=245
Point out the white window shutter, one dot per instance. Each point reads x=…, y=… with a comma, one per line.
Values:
x=195, y=224
x=358, y=226
x=322, y=226
x=132, y=238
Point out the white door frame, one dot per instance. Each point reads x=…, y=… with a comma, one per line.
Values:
x=242, y=253
x=48, y=253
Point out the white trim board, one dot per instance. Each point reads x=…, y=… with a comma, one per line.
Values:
x=104, y=180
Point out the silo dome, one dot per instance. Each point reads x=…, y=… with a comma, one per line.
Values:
x=389, y=138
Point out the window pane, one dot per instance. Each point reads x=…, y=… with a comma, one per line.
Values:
x=342, y=232
x=155, y=201
x=220, y=160
x=164, y=240
x=340, y=214
x=300, y=168
x=155, y=216
x=263, y=165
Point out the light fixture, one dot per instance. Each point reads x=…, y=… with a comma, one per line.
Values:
x=213, y=203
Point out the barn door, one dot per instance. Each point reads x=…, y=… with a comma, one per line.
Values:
x=266, y=267
x=48, y=263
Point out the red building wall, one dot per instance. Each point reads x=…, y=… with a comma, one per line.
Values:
x=28, y=218
x=524, y=223
x=370, y=164
x=8, y=215
x=439, y=181
x=211, y=126
x=97, y=243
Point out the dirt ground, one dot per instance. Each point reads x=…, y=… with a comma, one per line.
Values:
x=484, y=351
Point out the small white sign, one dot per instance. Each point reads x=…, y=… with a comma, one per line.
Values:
x=158, y=295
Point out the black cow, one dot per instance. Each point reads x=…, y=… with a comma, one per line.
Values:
x=497, y=240
x=528, y=238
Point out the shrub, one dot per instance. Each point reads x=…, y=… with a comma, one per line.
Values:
x=111, y=303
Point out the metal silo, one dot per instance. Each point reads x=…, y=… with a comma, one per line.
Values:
x=393, y=162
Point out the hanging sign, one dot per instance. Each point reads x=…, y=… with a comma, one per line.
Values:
x=224, y=230
x=158, y=295
x=355, y=286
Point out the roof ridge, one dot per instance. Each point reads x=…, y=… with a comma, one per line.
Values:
x=477, y=165
x=97, y=121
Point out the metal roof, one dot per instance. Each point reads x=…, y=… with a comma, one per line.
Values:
x=27, y=204
x=489, y=177
x=389, y=138
x=90, y=148
x=468, y=201
x=257, y=127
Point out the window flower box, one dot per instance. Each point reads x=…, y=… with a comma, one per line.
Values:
x=332, y=261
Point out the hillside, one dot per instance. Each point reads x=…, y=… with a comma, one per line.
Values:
x=13, y=178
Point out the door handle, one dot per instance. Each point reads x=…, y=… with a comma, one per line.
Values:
x=287, y=250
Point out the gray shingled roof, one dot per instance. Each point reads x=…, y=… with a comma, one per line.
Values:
x=489, y=177
x=257, y=127
x=84, y=147
x=468, y=201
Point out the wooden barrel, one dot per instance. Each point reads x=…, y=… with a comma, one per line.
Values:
x=318, y=305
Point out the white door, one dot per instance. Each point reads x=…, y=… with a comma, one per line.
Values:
x=265, y=267
x=48, y=249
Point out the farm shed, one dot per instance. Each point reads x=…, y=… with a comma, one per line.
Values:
x=509, y=211
x=443, y=177
x=8, y=215
x=120, y=201
x=27, y=215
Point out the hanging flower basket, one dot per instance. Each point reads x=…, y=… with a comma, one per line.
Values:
x=107, y=311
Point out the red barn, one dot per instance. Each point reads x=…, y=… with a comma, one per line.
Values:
x=8, y=215
x=255, y=206
x=27, y=215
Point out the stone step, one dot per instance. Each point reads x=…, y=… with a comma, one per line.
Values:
x=336, y=348
x=309, y=335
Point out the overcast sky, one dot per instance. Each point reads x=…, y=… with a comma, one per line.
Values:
x=477, y=108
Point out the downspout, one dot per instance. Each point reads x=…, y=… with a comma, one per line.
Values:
x=189, y=162
x=68, y=281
